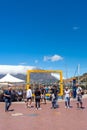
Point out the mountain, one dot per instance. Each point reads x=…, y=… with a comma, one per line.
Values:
x=35, y=77
x=82, y=79
x=38, y=77
x=20, y=71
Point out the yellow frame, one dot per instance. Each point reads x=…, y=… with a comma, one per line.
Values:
x=45, y=71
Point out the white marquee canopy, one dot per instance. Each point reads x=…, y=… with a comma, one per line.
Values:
x=10, y=79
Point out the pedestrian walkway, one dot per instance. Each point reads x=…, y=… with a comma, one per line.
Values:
x=22, y=118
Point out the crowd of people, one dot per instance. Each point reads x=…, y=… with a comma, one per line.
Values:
x=40, y=96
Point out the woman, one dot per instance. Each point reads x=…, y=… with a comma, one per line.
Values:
x=29, y=97
x=67, y=97
x=37, y=98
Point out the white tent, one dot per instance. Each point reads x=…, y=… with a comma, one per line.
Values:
x=10, y=79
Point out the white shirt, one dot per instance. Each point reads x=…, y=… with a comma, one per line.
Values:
x=79, y=90
x=28, y=93
x=67, y=93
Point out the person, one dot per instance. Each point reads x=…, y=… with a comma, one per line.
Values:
x=7, y=98
x=20, y=95
x=54, y=97
x=67, y=97
x=37, y=98
x=53, y=100
x=43, y=94
x=79, y=97
x=46, y=89
x=29, y=97
x=56, y=91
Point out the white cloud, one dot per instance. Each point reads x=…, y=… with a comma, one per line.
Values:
x=53, y=58
x=76, y=28
x=57, y=76
x=36, y=61
x=4, y=69
x=23, y=63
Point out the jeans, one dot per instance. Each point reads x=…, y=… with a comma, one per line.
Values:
x=37, y=103
x=7, y=104
x=53, y=103
x=67, y=101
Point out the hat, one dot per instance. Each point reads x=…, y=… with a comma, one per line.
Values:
x=66, y=87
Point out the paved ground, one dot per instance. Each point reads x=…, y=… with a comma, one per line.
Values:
x=45, y=119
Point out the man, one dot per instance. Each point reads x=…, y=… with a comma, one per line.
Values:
x=54, y=96
x=79, y=97
x=7, y=98
x=43, y=94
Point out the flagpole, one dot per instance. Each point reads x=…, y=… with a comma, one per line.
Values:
x=78, y=72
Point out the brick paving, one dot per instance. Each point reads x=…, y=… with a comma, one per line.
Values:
x=45, y=119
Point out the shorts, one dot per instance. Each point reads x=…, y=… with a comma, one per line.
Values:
x=29, y=98
x=79, y=99
x=42, y=96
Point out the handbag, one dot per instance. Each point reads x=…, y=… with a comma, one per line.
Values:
x=82, y=92
x=38, y=97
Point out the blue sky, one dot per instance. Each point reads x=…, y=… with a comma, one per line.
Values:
x=50, y=34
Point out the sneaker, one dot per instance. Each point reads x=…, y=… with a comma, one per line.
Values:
x=40, y=108
x=29, y=106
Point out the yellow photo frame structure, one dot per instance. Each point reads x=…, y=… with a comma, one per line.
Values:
x=46, y=71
